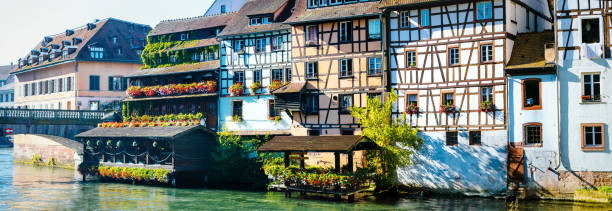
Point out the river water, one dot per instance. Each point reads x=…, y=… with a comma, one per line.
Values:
x=41, y=188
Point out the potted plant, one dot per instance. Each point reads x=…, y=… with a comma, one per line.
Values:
x=412, y=109
x=236, y=89
x=275, y=85
x=236, y=118
x=254, y=87
x=586, y=97
x=487, y=106
x=448, y=108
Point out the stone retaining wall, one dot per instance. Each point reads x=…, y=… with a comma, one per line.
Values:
x=45, y=147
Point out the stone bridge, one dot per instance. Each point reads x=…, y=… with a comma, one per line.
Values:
x=63, y=123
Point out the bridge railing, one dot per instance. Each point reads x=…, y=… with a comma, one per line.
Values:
x=48, y=114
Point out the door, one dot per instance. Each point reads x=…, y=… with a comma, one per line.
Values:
x=516, y=166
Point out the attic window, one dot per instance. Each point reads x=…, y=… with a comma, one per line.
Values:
x=76, y=40
x=69, y=32
x=44, y=50
x=260, y=20
x=91, y=26
x=48, y=39
x=222, y=8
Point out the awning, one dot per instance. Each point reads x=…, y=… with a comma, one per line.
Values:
x=293, y=87
x=171, y=132
x=344, y=143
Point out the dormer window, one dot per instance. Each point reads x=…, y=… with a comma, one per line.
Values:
x=260, y=20
x=76, y=40
x=69, y=32
x=96, y=52
x=223, y=8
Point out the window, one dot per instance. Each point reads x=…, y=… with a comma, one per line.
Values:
x=453, y=56
x=313, y=3
x=591, y=87
x=237, y=108
x=374, y=66
x=451, y=139
x=315, y=132
x=257, y=76
x=334, y=2
x=346, y=67
x=94, y=82
x=94, y=105
x=593, y=138
x=184, y=36
x=532, y=133
x=375, y=95
x=255, y=21
x=484, y=10
x=311, y=35
x=345, y=32
x=95, y=52
x=374, y=31
x=277, y=75
x=411, y=61
x=405, y=19
x=346, y=101
x=260, y=45
x=223, y=8
x=60, y=85
x=425, y=17
x=486, y=94
x=412, y=99
x=173, y=58
x=64, y=54
x=277, y=43
x=448, y=98
x=238, y=45
x=475, y=138
x=486, y=53
x=323, y=3
x=260, y=20
x=117, y=83
x=271, y=111
x=69, y=84
x=288, y=75
x=590, y=30
x=531, y=94
x=311, y=104
x=52, y=86
x=312, y=70
x=239, y=77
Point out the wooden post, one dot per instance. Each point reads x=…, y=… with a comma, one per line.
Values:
x=137, y=151
x=287, y=160
x=337, y=170
x=350, y=162
x=173, y=152
x=147, y=156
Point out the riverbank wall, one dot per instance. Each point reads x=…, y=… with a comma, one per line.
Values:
x=55, y=151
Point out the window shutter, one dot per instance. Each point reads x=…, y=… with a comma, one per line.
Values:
x=110, y=83
x=349, y=31
x=349, y=67
x=124, y=83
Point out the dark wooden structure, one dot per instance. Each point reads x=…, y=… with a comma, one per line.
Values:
x=184, y=151
x=346, y=144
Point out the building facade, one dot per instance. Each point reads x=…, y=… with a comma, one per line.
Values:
x=224, y=6
x=7, y=87
x=181, y=69
x=256, y=53
x=446, y=63
x=83, y=68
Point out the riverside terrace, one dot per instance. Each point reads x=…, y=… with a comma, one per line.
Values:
x=182, y=151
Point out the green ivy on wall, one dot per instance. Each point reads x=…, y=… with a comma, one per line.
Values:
x=157, y=52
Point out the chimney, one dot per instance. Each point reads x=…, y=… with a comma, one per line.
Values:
x=549, y=53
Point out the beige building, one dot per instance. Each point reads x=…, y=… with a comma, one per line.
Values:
x=82, y=68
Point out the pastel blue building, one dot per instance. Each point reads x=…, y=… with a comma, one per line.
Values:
x=255, y=48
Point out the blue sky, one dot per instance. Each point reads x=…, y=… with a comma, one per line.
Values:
x=23, y=23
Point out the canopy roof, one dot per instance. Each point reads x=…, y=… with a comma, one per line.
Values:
x=171, y=132
x=293, y=87
x=528, y=54
x=344, y=143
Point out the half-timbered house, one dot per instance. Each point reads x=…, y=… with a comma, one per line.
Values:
x=181, y=69
x=256, y=58
x=446, y=62
x=336, y=57
x=583, y=31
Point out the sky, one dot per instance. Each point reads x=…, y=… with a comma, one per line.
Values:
x=24, y=23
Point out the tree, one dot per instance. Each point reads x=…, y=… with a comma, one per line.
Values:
x=396, y=140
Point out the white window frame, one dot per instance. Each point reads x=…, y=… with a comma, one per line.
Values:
x=260, y=45
x=345, y=66
x=343, y=31
x=601, y=26
x=374, y=67
x=453, y=56
x=489, y=95
x=405, y=19
x=592, y=83
x=316, y=31
x=311, y=70
x=488, y=53
x=409, y=58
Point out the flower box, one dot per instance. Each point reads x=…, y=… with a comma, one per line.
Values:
x=487, y=106
x=412, y=109
x=448, y=109
x=254, y=87
x=172, y=89
x=236, y=89
x=275, y=85
x=586, y=97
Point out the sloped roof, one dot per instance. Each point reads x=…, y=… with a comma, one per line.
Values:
x=528, y=52
x=189, y=24
x=4, y=71
x=399, y=3
x=183, y=68
x=172, y=132
x=193, y=44
x=240, y=24
x=100, y=35
x=312, y=144
x=302, y=14
x=292, y=87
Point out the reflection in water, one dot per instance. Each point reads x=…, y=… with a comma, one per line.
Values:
x=41, y=188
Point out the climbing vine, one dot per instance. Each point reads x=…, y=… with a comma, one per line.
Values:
x=159, y=49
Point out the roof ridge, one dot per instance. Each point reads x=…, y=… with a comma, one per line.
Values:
x=79, y=27
x=195, y=17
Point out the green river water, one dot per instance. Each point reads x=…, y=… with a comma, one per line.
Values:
x=40, y=188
